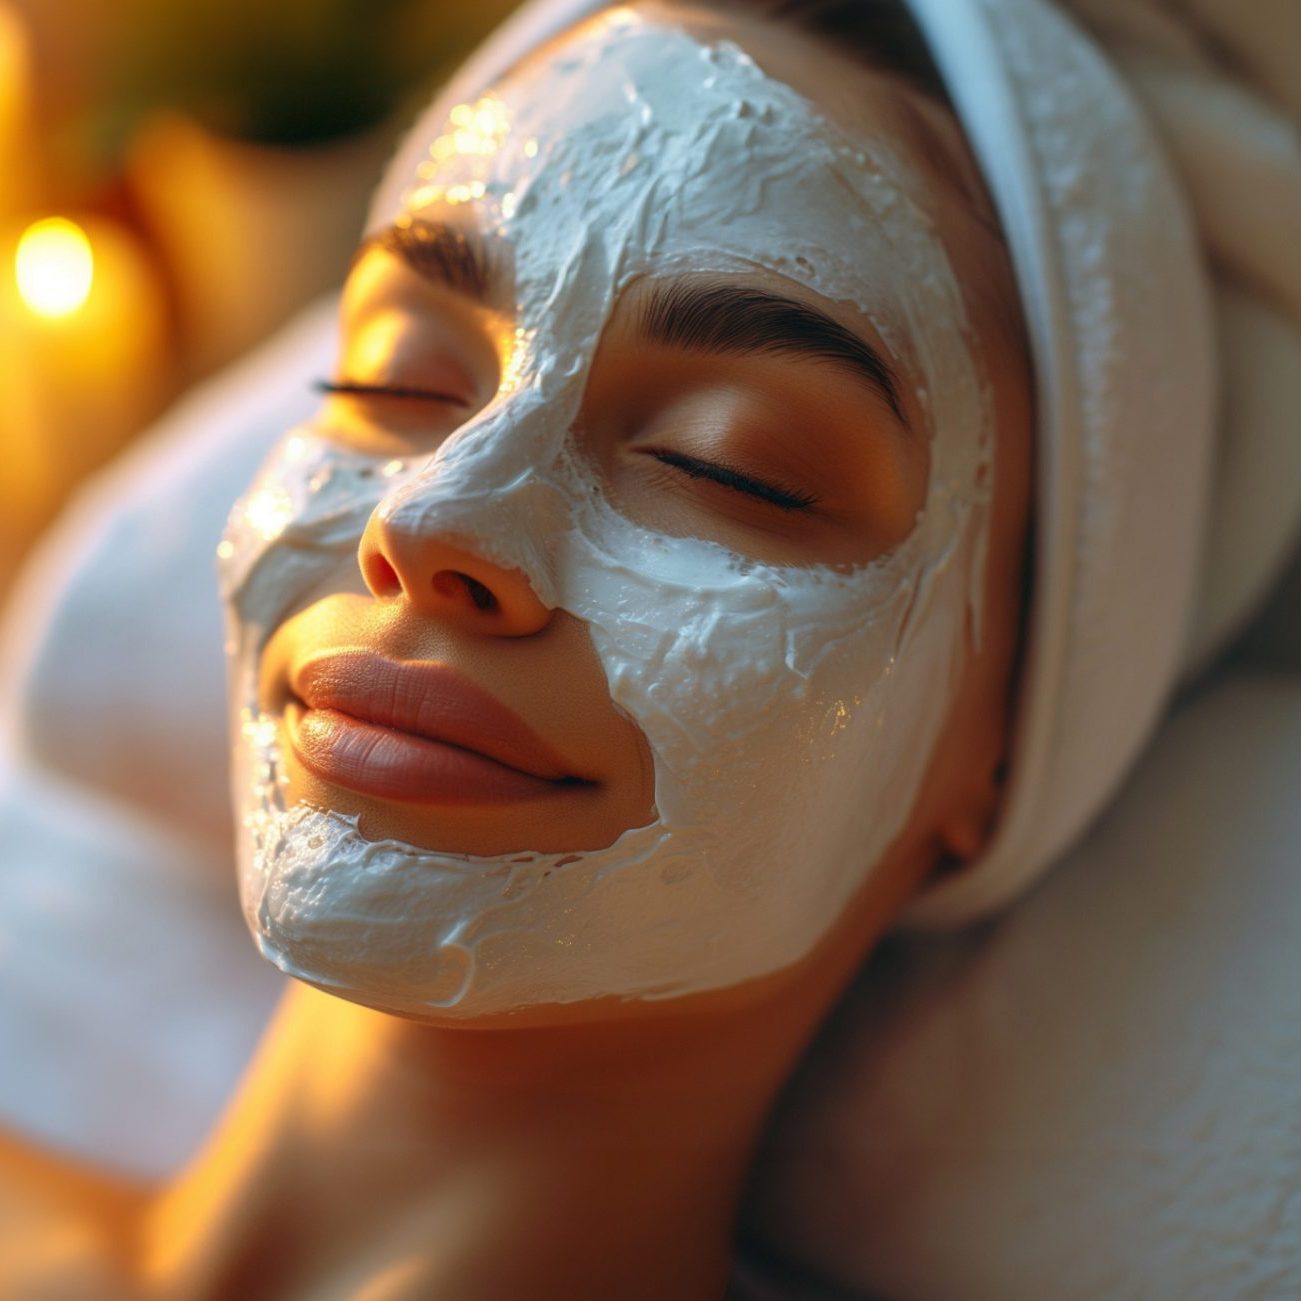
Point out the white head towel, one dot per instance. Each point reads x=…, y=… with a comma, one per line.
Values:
x=1143, y=568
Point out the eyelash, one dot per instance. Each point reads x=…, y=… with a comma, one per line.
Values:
x=347, y=389
x=783, y=498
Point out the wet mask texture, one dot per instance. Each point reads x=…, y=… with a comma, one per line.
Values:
x=790, y=712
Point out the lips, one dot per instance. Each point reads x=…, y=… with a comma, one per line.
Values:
x=415, y=732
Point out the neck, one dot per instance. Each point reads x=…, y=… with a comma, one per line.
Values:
x=591, y=1161
x=370, y=1156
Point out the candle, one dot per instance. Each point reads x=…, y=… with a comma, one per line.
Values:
x=84, y=356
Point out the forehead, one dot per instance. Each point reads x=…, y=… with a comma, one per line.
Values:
x=643, y=141
x=631, y=76
x=840, y=82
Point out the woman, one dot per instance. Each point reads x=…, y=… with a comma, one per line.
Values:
x=616, y=654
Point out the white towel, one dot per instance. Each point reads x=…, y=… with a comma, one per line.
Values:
x=1222, y=83
x=1218, y=84
x=1117, y=307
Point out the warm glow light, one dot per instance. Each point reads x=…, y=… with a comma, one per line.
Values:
x=477, y=131
x=268, y=512
x=54, y=266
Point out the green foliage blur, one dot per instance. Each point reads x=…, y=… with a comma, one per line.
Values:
x=286, y=72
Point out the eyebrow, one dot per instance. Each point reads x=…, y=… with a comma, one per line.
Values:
x=705, y=316
x=739, y=320
x=446, y=255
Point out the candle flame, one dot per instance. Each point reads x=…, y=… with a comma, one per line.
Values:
x=55, y=267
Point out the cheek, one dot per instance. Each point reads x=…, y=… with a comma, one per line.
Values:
x=738, y=673
x=294, y=535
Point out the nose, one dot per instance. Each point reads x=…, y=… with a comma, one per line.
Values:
x=446, y=581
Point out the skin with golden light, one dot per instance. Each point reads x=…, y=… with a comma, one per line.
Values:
x=386, y=1158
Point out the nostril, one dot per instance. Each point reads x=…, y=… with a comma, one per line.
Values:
x=449, y=582
x=381, y=577
x=483, y=599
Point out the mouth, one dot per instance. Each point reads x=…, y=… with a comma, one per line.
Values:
x=417, y=733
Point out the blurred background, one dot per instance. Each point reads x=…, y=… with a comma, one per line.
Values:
x=177, y=177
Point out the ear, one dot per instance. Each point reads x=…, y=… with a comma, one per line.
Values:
x=965, y=832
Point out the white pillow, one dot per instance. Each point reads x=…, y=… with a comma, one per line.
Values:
x=1095, y=1096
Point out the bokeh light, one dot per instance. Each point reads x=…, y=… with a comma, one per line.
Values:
x=55, y=267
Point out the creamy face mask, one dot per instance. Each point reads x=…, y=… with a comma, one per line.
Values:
x=790, y=712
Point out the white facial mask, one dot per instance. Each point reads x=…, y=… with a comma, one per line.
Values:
x=790, y=712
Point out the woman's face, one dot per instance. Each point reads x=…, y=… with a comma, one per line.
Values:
x=594, y=638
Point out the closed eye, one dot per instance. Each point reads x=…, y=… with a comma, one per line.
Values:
x=386, y=391
x=783, y=498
